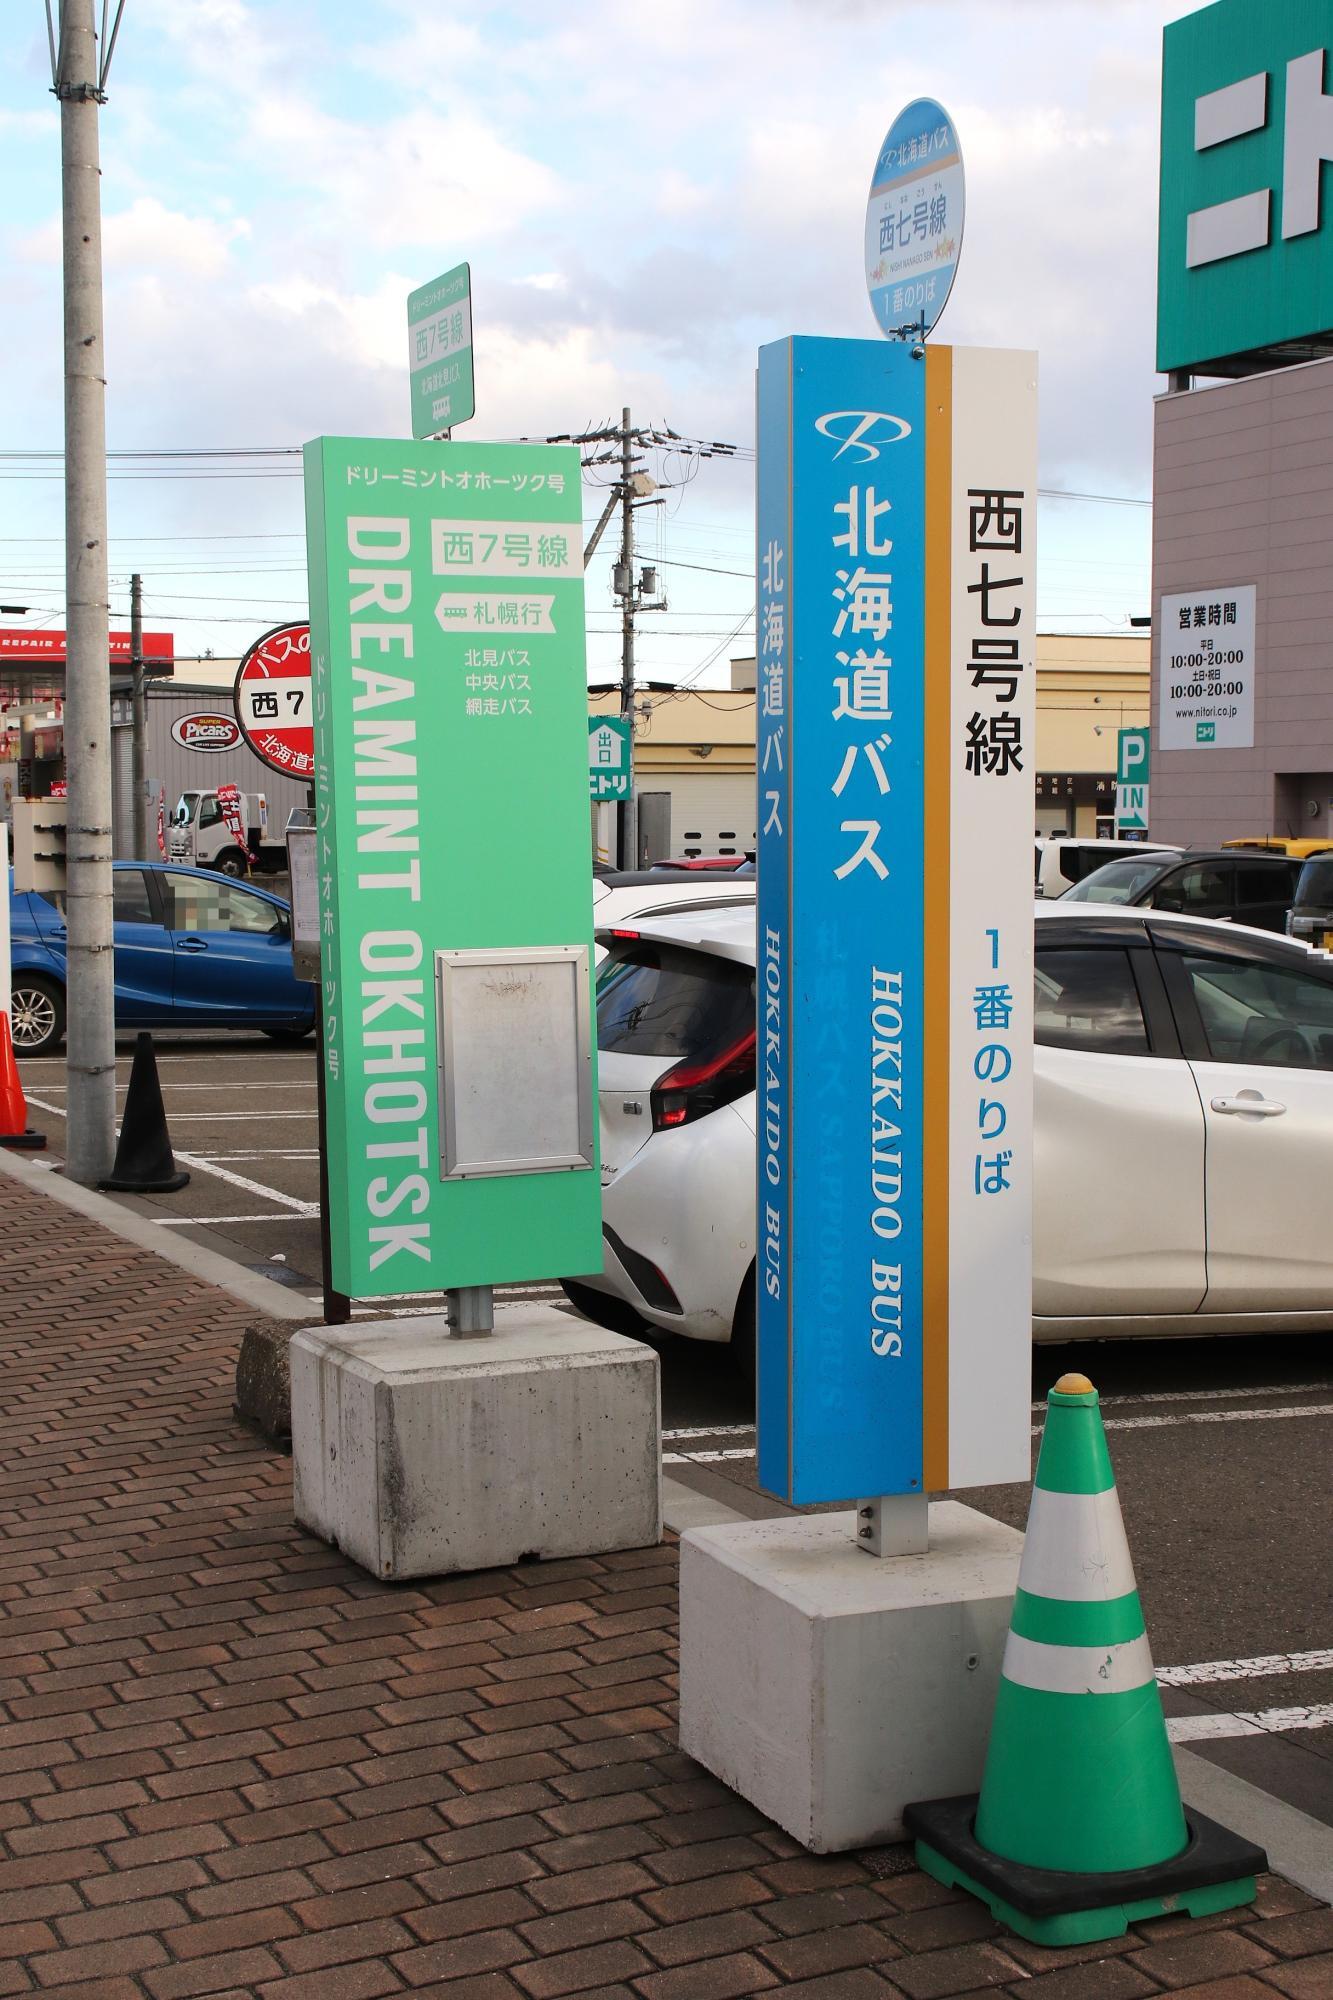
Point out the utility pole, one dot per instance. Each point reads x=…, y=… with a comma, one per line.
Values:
x=624, y=584
x=139, y=724
x=78, y=83
x=623, y=446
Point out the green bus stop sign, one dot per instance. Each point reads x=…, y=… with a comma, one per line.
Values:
x=439, y=352
x=448, y=672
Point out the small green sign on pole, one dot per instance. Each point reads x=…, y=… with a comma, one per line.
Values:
x=439, y=352
x=1131, y=782
x=609, y=754
x=448, y=669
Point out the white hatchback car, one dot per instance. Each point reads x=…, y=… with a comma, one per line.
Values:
x=1184, y=1128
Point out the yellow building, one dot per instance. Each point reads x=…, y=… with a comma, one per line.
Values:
x=1087, y=690
x=694, y=748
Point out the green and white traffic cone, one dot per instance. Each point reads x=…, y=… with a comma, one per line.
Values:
x=1078, y=1830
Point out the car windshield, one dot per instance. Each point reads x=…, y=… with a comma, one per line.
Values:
x=1115, y=881
x=187, y=805
x=660, y=1000
x=1316, y=887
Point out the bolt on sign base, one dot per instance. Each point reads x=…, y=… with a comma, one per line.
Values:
x=1216, y=1871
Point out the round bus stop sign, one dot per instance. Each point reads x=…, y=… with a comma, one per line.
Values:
x=914, y=220
x=272, y=699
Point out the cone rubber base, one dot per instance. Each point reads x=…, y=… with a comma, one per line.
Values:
x=27, y=1142
x=1216, y=1871
x=169, y=1185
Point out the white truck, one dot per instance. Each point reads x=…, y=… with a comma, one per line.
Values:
x=198, y=835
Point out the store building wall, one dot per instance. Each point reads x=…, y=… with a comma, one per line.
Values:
x=1243, y=494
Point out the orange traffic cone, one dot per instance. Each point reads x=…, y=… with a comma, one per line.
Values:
x=14, y=1127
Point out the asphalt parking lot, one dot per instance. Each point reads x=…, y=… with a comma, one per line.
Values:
x=1223, y=1448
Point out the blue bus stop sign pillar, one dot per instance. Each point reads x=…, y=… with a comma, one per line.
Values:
x=896, y=543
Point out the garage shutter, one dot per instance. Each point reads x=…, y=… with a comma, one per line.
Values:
x=711, y=813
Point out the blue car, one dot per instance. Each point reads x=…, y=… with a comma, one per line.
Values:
x=193, y=950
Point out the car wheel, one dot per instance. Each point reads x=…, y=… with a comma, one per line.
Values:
x=36, y=1013
x=614, y=1314
x=291, y=1036
x=231, y=862
x=743, y=1337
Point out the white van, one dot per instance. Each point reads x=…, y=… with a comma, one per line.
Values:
x=1061, y=860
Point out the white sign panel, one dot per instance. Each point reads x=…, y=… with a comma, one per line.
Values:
x=1207, y=669
x=992, y=755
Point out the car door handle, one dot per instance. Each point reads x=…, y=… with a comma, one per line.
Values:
x=1249, y=1103
x=192, y=944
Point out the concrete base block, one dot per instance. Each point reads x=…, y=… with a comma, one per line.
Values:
x=419, y=1453
x=830, y=1688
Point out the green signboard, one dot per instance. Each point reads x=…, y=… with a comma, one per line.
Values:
x=448, y=670
x=1245, y=248
x=610, y=757
x=439, y=352
x=1131, y=781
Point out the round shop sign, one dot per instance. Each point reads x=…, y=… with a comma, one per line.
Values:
x=212, y=733
x=914, y=220
x=272, y=700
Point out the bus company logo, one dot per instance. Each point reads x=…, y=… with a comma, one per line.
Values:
x=206, y=732
x=864, y=431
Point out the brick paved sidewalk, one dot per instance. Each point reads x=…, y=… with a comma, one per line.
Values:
x=231, y=1764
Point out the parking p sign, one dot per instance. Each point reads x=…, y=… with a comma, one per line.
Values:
x=1131, y=782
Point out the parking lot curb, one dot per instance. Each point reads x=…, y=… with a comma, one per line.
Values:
x=260, y=1294
x=1299, y=1847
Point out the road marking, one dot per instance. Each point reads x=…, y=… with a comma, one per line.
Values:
x=289, y=1201
x=1206, y=1395
x=236, y=1117
x=1262, y=1667
x=271, y=1083
x=683, y=1433
x=704, y=1457
x=274, y=1153
x=208, y=1221
x=1251, y=1722
x=1211, y=1417
x=710, y=1431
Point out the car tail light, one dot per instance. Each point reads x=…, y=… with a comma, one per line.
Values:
x=692, y=1089
x=631, y=935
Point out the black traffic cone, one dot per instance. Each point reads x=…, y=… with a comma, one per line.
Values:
x=145, y=1163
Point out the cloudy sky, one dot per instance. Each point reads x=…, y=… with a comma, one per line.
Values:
x=646, y=195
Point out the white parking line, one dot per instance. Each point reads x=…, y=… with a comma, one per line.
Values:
x=236, y=1117
x=272, y=1083
x=208, y=1221
x=288, y=1201
x=1212, y=1417
x=1263, y=1666
x=1206, y=1395
x=705, y=1457
x=680, y=1434
x=710, y=1431
x=1251, y=1722
x=203, y=1166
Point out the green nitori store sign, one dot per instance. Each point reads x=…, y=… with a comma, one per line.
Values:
x=1245, y=248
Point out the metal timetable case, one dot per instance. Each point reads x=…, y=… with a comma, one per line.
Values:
x=514, y=1061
